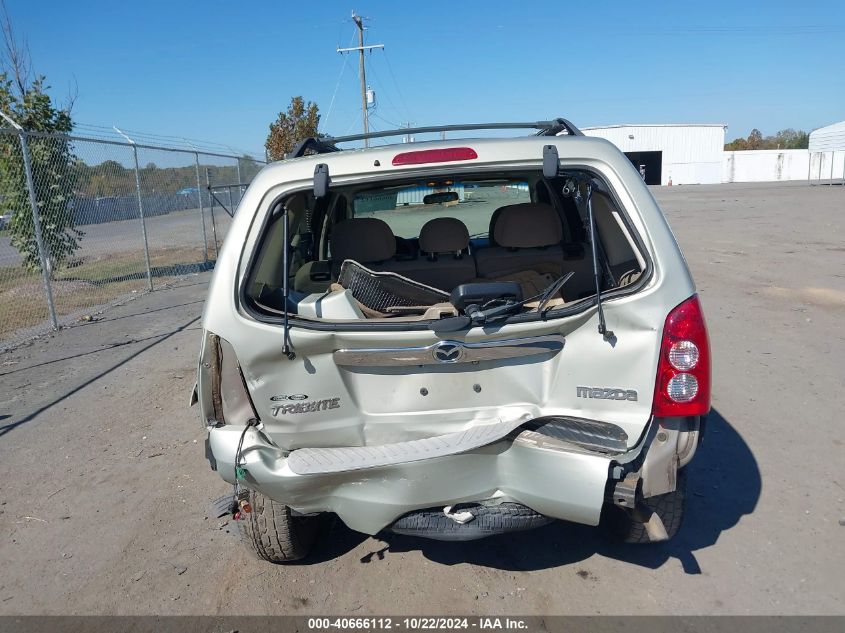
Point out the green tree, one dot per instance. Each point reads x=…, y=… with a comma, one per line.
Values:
x=785, y=139
x=736, y=145
x=300, y=121
x=791, y=139
x=27, y=102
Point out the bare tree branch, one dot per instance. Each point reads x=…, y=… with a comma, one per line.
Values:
x=16, y=60
x=72, y=94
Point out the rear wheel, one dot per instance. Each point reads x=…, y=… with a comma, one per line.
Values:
x=670, y=507
x=275, y=534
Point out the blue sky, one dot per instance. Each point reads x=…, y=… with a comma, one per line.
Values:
x=221, y=71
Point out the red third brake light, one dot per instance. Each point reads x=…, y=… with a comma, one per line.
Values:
x=424, y=156
x=683, y=370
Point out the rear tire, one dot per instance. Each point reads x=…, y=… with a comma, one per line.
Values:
x=669, y=507
x=275, y=534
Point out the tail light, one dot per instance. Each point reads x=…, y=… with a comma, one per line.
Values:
x=447, y=155
x=683, y=371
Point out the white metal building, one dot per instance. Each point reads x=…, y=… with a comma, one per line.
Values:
x=684, y=154
x=828, y=138
x=827, y=153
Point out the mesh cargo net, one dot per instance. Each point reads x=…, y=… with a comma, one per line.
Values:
x=382, y=290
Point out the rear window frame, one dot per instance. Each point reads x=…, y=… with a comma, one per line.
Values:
x=245, y=303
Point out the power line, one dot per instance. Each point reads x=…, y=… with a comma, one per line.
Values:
x=395, y=125
x=383, y=87
x=396, y=83
x=377, y=139
x=337, y=85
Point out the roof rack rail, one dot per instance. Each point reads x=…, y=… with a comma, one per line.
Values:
x=327, y=144
x=317, y=145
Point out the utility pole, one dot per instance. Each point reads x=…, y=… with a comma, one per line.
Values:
x=359, y=22
x=408, y=138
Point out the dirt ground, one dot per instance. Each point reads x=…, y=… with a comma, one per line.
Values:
x=105, y=488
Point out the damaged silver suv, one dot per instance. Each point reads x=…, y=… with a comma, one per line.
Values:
x=452, y=339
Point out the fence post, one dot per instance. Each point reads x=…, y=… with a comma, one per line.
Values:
x=240, y=190
x=202, y=211
x=140, y=209
x=143, y=219
x=213, y=224
x=36, y=221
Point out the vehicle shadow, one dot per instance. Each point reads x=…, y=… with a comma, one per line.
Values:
x=724, y=485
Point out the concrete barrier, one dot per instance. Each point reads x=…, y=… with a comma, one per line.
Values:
x=770, y=165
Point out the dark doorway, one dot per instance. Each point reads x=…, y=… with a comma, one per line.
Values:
x=650, y=163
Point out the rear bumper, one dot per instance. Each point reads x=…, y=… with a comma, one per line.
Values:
x=555, y=478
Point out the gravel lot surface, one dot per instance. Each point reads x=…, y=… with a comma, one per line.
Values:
x=105, y=487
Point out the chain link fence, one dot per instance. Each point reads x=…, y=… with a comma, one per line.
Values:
x=88, y=223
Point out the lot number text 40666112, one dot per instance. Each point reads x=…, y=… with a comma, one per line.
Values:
x=417, y=623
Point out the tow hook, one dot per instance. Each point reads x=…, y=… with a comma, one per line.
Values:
x=625, y=492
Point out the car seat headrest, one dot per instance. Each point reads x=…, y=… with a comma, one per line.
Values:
x=363, y=240
x=444, y=235
x=527, y=225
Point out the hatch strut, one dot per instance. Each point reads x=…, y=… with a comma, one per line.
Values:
x=286, y=346
x=606, y=334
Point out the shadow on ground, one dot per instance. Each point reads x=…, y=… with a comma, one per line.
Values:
x=173, y=270
x=149, y=343
x=724, y=485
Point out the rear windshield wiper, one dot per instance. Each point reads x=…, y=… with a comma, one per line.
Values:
x=475, y=314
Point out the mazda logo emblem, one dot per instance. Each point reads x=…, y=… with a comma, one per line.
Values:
x=448, y=352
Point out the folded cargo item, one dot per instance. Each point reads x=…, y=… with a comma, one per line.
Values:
x=385, y=291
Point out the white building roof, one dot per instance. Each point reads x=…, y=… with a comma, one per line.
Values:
x=830, y=137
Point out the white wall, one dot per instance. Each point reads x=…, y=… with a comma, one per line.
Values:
x=786, y=164
x=692, y=154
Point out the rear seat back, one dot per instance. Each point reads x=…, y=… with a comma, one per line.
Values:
x=445, y=262
x=528, y=237
x=370, y=241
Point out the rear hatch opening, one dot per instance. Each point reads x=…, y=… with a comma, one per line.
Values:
x=406, y=253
